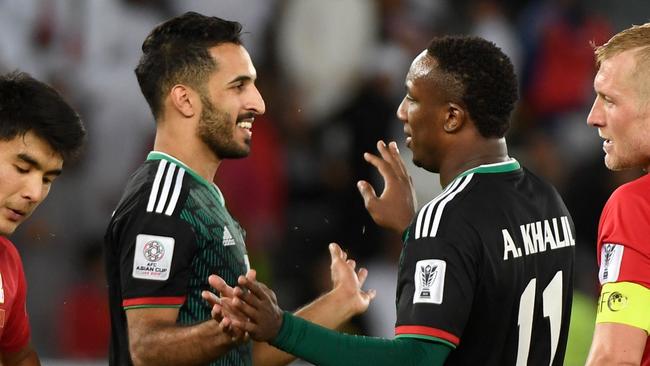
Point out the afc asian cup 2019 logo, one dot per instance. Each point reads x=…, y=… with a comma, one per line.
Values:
x=153, y=251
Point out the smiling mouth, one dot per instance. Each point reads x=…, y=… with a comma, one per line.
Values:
x=245, y=124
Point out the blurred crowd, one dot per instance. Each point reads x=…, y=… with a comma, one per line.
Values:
x=332, y=75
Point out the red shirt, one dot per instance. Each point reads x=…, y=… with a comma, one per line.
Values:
x=625, y=222
x=14, y=323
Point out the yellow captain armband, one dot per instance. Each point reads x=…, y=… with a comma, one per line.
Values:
x=625, y=303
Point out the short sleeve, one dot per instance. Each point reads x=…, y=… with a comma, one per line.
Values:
x=436, y=285
x=155, y=257
x=624, y=239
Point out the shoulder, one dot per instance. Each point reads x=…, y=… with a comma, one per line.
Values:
x=158, y=186
x=630, y=200
x=9, y=256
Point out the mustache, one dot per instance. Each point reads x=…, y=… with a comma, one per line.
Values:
x=247, y=115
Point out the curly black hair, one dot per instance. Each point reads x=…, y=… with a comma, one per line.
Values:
x=176, y=51
x=29, y=105
x=486, y=77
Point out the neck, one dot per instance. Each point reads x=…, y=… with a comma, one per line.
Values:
x=184, y=145
x=488, y=152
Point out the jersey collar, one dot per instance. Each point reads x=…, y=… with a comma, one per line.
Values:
x=157, y=155
x=502, y=167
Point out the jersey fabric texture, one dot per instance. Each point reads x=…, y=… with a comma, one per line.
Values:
x=623, y=247
x=170, y=231
x=14, y=323
x=487, y=267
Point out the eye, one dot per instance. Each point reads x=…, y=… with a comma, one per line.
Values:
x=21, y=170
x=409, y=98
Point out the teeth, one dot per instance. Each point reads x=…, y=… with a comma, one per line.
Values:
x=246, y=125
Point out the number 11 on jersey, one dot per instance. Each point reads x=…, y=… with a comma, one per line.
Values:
x=552, y=309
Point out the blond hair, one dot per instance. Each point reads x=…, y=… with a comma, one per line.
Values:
x=635, y=38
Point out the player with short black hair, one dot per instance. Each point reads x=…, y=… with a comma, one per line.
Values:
x=39, y=131
x=171, y=229
x=486, y=270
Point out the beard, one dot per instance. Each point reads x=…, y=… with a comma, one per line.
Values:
x=217, y=131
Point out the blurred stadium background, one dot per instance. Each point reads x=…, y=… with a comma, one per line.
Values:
x=332, y=74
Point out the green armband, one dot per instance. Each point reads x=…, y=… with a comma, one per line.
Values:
x=322, y=346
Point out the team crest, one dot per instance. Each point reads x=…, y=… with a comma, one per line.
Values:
x=611, y=256
x=152, y=259
x=429, y=281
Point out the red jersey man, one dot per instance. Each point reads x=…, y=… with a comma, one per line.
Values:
x=38, y=130
x=621, y=112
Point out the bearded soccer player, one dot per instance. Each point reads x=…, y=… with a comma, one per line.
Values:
x=486, y=270
x=621, y=113
x=38, y=132
x=171, y=229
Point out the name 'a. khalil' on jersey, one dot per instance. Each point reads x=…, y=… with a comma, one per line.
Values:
x=537, y=237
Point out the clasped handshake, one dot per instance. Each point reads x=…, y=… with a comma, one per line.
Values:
x=250, y=309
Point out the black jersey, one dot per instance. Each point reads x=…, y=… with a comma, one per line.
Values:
x=170, y=231
x=487, y=268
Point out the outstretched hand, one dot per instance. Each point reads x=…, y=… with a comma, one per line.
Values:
x=395, y=208
x=348, y=282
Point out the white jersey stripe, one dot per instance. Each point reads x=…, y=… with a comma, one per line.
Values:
x=418, y=223
x=421, y=230
x=165, y=191
x=156, y=185
x=441, y=207
x=177, y=191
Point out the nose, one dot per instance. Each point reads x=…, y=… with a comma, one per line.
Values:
x=256, y=102
x=596, y=115
x=33, y=189
x=401, y=111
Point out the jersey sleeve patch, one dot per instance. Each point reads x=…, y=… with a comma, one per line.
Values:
x=429, y=281
x=624, y=303
x=153, y=257
x=611, y=257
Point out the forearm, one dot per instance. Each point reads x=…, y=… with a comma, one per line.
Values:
x=330, y=311
x=179, y=345
x=325, y=347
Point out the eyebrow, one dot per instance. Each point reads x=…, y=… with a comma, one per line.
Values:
x=33, y=162
x=241, y=78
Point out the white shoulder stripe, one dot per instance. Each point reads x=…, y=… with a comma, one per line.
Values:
x=441, y=207
x=425, y=212
x=166, y=186
x=177, y=191
x=156, y=185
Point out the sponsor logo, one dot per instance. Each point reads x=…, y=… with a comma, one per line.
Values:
x=616, y=301
x=227, y=239
x=429, y=281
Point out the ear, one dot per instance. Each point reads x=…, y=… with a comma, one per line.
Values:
x=455, y=118
x=182, y=98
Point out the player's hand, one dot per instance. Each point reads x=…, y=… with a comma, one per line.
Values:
x=223, y=311
x=347, y=283
x=395, y=208
x=260, y=306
